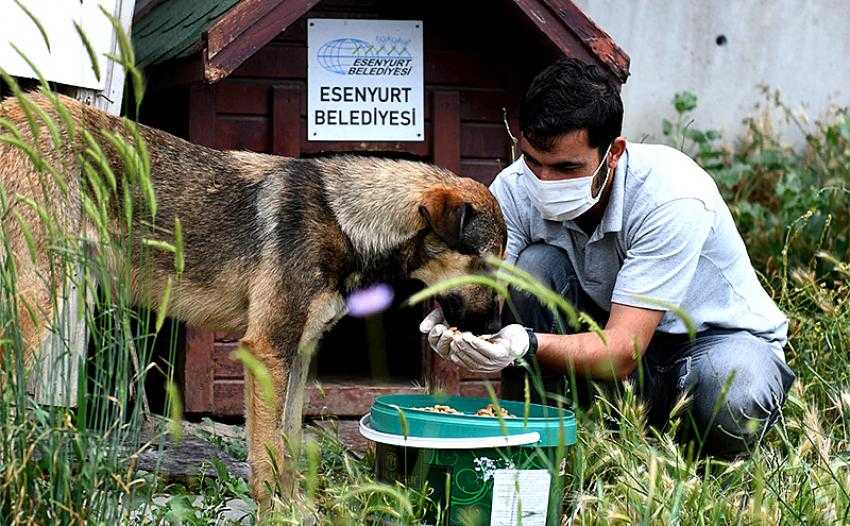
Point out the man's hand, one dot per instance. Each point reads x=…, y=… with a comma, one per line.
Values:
x=480, y=354
x=439, y=334
x=490, y=354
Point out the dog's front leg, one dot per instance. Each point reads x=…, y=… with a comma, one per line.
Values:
x=293, y=402
x=265, y=388
x=281, y=339
x=325, y=310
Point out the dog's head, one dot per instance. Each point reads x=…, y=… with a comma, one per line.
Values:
x=464, y=225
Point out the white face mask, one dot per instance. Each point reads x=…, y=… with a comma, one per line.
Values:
x=565, y=199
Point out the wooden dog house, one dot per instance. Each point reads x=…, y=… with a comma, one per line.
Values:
x=232, y=75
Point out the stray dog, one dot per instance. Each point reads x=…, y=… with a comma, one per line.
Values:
x=272, y=246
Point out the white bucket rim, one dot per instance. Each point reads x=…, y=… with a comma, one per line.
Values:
x=522, y=439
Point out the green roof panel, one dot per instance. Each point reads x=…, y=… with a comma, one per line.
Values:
x=173, y=29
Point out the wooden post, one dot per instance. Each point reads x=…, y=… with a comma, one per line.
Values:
x=286, y=120
x=444, y=375
x=55, y=377
x=198, y=369
x=202, y=114
x=447, y=129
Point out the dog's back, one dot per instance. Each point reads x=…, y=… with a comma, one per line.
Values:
x=333, y=219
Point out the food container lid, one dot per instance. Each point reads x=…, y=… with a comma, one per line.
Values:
x=398, y=415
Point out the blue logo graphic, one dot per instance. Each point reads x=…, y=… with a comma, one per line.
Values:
x=344, y=55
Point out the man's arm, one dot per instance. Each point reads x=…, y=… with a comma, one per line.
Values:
x=658, y=268
x=627, y=334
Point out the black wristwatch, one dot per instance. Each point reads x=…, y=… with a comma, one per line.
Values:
x=532, y=344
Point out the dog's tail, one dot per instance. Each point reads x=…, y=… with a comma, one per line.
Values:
x=41, y=144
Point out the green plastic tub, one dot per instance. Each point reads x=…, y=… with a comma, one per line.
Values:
x=479, y=470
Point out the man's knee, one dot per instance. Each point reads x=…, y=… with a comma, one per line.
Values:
x=548, y=264
x=737, y=396
x=729, y=421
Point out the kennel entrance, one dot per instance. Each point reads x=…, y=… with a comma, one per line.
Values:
x=233, y=75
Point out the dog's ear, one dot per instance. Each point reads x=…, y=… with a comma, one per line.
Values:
x=446, y=214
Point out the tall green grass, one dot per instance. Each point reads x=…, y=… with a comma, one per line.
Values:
x=61, y=465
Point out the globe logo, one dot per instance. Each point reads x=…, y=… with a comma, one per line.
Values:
x=337, y=56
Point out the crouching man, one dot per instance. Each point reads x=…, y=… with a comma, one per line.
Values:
x=625, y=232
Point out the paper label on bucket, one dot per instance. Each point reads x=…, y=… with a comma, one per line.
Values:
x=520, y=495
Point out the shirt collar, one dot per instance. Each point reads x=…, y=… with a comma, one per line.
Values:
x=612, y=219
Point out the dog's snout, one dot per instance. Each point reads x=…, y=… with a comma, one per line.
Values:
x=453, y=309
x=474, y=311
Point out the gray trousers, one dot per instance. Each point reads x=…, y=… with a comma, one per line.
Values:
x=736, y=381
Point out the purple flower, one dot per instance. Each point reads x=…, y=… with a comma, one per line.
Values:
x=368, y=301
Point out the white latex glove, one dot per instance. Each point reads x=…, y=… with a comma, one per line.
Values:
x=439, y=335
x=490, y=354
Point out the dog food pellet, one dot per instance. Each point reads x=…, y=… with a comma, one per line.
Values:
x=490, y=410
x=440, y=409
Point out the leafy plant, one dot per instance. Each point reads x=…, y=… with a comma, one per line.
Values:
x=701, y=144
x=771, y=188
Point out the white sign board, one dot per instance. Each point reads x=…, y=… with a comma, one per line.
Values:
x=67, y=61
x=520, y=496
x=364, y=80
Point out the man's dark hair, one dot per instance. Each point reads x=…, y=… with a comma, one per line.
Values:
x=568, y=96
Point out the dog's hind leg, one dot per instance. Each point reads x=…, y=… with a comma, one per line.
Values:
x=34, y=314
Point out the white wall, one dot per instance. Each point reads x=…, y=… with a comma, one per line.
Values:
x=67, y=61
x=801, y=47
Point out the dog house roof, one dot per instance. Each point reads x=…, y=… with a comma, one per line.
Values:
x=227, y=32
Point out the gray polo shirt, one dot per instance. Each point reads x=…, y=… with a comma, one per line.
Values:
x=666, y=238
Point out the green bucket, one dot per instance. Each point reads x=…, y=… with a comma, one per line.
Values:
x=480, y=470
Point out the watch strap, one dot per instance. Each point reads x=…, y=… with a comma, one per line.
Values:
x=532, y=344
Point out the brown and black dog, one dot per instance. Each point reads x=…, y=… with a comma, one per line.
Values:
x=272, y=245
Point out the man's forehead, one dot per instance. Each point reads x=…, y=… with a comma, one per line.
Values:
x=570, y=147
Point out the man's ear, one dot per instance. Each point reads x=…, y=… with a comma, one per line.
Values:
x=617, y=149
x=446, y=214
